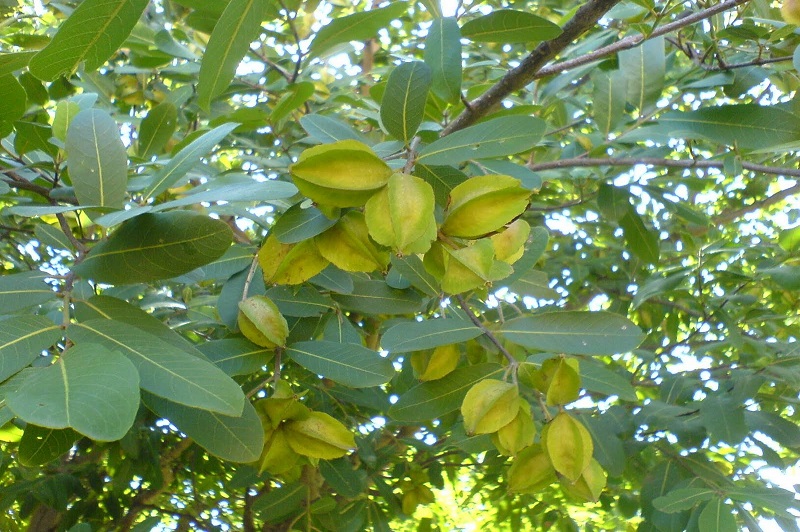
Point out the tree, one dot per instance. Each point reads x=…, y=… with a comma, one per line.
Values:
x=275, y=265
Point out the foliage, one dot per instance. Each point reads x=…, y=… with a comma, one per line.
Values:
x=337, y=265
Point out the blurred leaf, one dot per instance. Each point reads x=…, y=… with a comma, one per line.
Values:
x=156, y=129
x=443, y=56
x=510, y=26
x=356, y=27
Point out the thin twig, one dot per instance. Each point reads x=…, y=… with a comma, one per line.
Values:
x=512, y=362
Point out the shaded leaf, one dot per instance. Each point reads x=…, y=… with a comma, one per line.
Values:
x=641, y=241
x=375, y=297
x=717, y=517
x=355, y=27
x=419, y=335
x=510, y=26
x=403, y=103
x=349, y=364
x=40, y=445
x=23, y=290
x=644, y=68
x=298, y=224
x=157, y=128
x=682, y=499
x=326, y=129
x=443, y=56
x=22, y=340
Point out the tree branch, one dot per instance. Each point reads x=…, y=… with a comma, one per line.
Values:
x=516, y=78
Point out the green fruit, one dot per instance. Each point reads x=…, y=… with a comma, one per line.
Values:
x=261, y=322
x=348, y=246
x=319, y=436
x=290, y=263
x=489, y=405
x=483, y=205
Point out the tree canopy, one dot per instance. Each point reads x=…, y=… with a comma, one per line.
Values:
x=414, y=265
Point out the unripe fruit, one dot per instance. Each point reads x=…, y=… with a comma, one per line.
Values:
x=791, y=11
x=261, y=322
x=489, y=405
x=319, y=436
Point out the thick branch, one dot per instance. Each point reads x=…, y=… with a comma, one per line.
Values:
x=585, y=18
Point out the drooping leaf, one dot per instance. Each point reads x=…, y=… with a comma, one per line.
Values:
x=443, y=179
x=157, y=128
x=419, y=335
x=98, y=163
x=510, y=26
x=237, y=27
x=298, y=224
x=40, y=445
x=403, y=104
x=349, y=364
x=91, y=389
x=305, y=302
x=574, y=332
x=236, y=356
x=23, y=290
x=779, y=429
x=233, y=438
x=165, y=370
x=494, y=138
x=434, y=399
x=186, y=159
x=355, y=27
x=22, y=340
x=411, y=268
x=326, y=129
x=608, y=99
x=443, y=56
x=156, y=246
x=294, y=96
x=723, y=419
x=279, y=503
x=644, y=69
x=717, y=517
x=597, y=378
x=682, y=499
x=642, y=242
x=91, y=34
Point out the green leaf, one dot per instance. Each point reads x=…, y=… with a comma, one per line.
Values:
x=23, y=290
x=356, y=27
x=280, y=502
x=49, y=235
x=574, y=332
x=419, y=335
x=644, y=68
x=22, y=340
x=443, y=179
x=494, y=138
x=789, y=239
x=298, y=224
x=33, y=136
x=13, y=99
x=156, y=129
x=375, y=297
x=295, y=95
x=775, y=499
x=237, y=258
x=349, y=364
x=608, y=99
x=642, y=242
x=90, y=389
x=327, y=130
x=40, y=445
x=235, y=439
x=304, y=302
x=657, y=285
x=12, y=62
x=682, y=499
x=599, y=379
x=236, y=356
x=156, y=246
x=403, y=104
x=434, y=399
x=724, y=420
x=443, y=56
x=510, y=26
x=340, y=475
x=186, y=159
x=163, y=369
x=245, y=190
x=608, y=448
x=717, y=517
x=779, y=429
x=65, y=111
x=239, y=25
x=98, y=163
x=410, y=267
x=111, y=308
x=91, y=34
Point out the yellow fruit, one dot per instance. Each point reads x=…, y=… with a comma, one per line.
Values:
x=590, y=485
x=290, y=263
x=319, y=436
x=348, y=246
x=435, y=364
x=568, y=445
x=518, y=434
x=489, y=405
x=791, y=11
x=261, y=322
x=531, y=471
x=510, y=244
x=483, y=205
x=277, y=457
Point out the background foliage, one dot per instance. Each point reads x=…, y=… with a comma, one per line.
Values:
x=650, y=323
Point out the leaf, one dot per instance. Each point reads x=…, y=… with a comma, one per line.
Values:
x=717, y=517
x=348, y=364
x=775, y=499
x=98, y=163
x=510, y=26
x=236, y=356
x=443, y=56
x=186, y=159
x=91, y=34
x=23, y=290
x=33, y=136
x=355, y=27
x=327, y=130
x=11, y=62
x=280, y=502
x=443, y=179
x=49, y=235
x=608, y=99
x=608, y=448
x=298, y=224
x=433, y=399
x=40, y=445
x=90, y=389
x=237, y=27
x=163, y=369
x=574, y=332
x=643, y=243
x=340, y=475
x=13, y=99
x=156, y=246
x=644, y=68
x=412, y=269
x=156, y=129
x=682, y=499
x=494, y=138
x=295, y=95
x=305, y=302
x=598, y=378
x=403, y=104
x=22, y=340
x=779, y=429
x=235, y=439
x=375, y=297
x=247, y=191
x=724, y=420
x=66, y=110
x=419, y=335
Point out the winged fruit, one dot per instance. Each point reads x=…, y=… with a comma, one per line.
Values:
x=483, y=205
x=319, y=436
x=517, y=435
x=262, y=323
x=290, y=263
x=569, y=445
x=791, y=11
x=348, y=246
x=489, y=405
